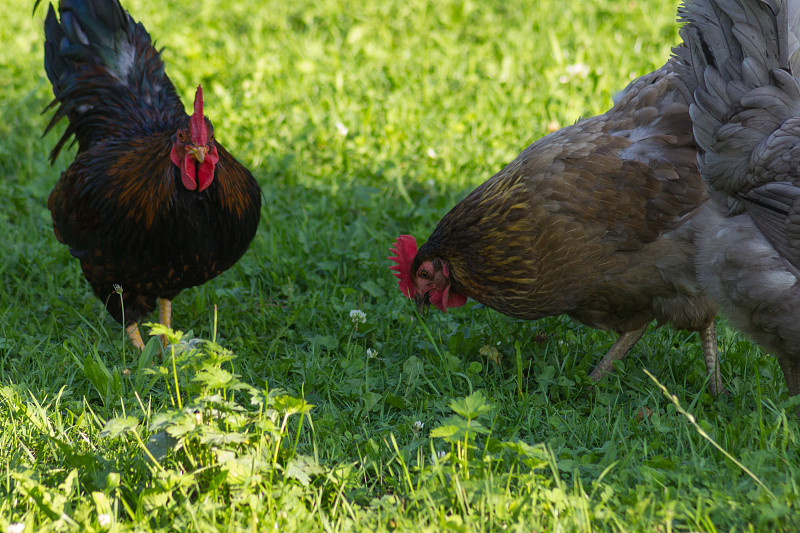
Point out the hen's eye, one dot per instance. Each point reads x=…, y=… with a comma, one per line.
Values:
x=424, y=274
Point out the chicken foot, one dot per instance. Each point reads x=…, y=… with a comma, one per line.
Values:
x=708, y=339
x=791, y=373
x=135, y=336
x=620, y=348
x=164, y=316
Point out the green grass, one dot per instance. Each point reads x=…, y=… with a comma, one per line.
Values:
x=469, y=421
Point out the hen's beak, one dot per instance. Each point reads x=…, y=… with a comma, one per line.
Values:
x=423, y=303
x=199, y=152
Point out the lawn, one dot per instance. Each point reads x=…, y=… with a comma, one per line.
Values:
x=277, y=408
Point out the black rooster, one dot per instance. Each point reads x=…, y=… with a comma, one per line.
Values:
x=152, y=204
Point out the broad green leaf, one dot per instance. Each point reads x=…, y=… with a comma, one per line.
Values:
x=472, y=406
x=117, y=426
x=373, y=289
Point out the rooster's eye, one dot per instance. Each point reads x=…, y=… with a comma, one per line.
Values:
x=424, y=274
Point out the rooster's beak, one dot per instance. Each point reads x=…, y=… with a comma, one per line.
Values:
x=199, y=152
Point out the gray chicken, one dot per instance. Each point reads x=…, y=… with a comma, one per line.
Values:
x=597, y=221
x=741, y=59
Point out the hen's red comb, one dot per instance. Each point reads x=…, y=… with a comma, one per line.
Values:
x=197, y=123
x=404, y=250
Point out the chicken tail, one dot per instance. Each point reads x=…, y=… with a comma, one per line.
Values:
x=740, y=60
x=106, y=74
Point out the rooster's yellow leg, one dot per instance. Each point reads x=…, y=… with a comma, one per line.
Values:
x=136, y=337
x=164, y=316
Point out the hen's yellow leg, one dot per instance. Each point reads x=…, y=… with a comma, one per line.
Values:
x=620, y=348
x=708, y=337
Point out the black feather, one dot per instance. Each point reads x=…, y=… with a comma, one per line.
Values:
x=121, y=206
x=106, y=74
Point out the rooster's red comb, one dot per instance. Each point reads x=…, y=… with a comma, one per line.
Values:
x=197, y=123
x=404, y=250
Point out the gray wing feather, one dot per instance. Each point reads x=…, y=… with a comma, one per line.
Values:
x=739, y=60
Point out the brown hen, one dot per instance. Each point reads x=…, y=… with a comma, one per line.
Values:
x=596, y=221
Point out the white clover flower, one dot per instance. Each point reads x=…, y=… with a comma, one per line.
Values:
x=371, y=353
x=418, y=425
x=343, y=131
x=438, y=456
x=104, y=519
x=16, y=527
x=578, y=69
x=431, y=153
x=358, y=316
